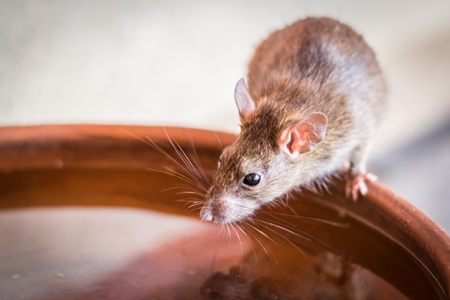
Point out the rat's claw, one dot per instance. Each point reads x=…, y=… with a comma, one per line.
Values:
x=356, y=184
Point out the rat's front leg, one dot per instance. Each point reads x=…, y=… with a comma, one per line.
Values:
x=357, y=175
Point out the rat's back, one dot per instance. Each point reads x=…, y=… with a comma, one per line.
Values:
x=320, y=60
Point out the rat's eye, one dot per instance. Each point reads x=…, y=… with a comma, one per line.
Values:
x=252, y=179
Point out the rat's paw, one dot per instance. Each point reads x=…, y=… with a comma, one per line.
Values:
x=356, y=184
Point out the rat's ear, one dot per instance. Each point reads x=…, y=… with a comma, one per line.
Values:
x=302, y=136
x=244, y=101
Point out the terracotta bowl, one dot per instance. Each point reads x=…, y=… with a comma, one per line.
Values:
x=110, y=212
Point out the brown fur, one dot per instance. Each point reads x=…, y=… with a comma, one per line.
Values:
x=313, y=65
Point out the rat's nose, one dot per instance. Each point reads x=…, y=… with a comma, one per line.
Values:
x=215, y=210
x=206, y=213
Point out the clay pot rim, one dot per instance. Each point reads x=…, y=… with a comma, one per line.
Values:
x=65, y=146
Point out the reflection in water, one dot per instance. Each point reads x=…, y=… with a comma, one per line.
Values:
x=293, y=276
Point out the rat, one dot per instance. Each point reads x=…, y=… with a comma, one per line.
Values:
x=314, y=99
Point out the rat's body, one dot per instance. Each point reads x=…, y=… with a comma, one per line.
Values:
x=315, y=96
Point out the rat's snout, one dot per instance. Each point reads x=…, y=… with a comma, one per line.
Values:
x=227, y=209
x=214, y=210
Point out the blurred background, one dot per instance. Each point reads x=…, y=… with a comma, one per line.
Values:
x=177, y=62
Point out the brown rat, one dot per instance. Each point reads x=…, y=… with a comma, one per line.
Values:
x=315, y=97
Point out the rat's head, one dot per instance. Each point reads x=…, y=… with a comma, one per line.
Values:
x=259, y=166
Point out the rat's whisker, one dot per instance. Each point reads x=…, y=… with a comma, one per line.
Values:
x=238, y=225
x=227, y=225
x=260, y=232
x=192, y=202
x=186, y=165
x=285, y=238
x=253, y=236
x=217, y=137
x=333, y=223
x=284, y=228
x=180, y=176
x=241, y=243
x=198, y=163
x=296, y=233
x=187, y=161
